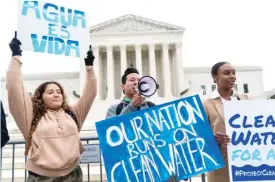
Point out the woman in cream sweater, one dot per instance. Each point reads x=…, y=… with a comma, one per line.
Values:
x=224, y=75
x=49, y=125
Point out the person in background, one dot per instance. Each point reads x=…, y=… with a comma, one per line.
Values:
x=4, y=131
x=133, y=101
x=4, y=134
x=224, y=75
x=49, y=125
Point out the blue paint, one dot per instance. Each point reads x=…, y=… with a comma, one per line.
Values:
x=51, y=17
x=52, y=29
x=31, y=5
x=253, y=173
x=66, y=34
x=55, y=45
x=66, y=20
x=140, y=146
x=270, y=155
x=53, y=13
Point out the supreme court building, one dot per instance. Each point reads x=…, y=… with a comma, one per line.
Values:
x=153, y=47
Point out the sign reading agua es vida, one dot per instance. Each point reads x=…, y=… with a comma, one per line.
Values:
x=251, y=153
x=174, y=138
x=53, y=29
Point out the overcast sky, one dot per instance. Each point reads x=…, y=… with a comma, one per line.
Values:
x=239, y=31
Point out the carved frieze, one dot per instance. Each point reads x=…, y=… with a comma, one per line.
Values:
x=131, y=25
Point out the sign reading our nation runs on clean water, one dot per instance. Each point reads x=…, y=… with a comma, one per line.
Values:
x=251, y=153
x=174, y=138
x=53, y=29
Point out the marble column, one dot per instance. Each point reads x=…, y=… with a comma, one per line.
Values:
x=138, y=58
x=152, y=61
x=97, y=68
x=82, y=74
x=152, y=64
x=123, y=61
x=110, y=72
x=179, y=68
x=123, y=58
x=166, y=70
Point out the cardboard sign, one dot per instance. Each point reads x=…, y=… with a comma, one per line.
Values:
x=53, y=29
x=174, y=138
x=251, y=154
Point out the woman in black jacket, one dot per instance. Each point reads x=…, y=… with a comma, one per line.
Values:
x=4, y=131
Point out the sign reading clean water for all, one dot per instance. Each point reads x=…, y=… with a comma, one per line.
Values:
x=53, y=29
x=174, y=138
x=251, y=127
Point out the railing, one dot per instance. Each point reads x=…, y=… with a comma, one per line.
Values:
x=86, y=140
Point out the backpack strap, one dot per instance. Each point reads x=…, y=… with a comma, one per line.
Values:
x=35, y=123
x=119, y=108
x=72, y=114
x=151, y=104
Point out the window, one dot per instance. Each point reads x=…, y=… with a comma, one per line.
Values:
x=204, y=89
x=245, y=88
x=213, y=87
x=235, y=86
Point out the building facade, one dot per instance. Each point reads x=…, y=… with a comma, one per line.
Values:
x=249, y=80
x=197, y=80
x=151, y=46
x=155, y=49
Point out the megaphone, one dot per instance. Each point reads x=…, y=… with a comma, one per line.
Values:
x=147, y=86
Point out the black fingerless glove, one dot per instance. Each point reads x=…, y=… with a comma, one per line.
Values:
x=89, y=61
x=15, y=46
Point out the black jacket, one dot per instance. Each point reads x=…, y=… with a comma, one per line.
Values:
x=4, y=131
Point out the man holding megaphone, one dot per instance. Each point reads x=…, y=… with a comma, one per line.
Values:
x=136, y=91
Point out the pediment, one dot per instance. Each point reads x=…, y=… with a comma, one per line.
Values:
x=132, y=23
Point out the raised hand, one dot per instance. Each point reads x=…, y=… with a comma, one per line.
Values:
x=137, y=99
x=89, y=61
x=15, y=46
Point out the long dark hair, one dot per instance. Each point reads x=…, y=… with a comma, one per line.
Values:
x=39, y=107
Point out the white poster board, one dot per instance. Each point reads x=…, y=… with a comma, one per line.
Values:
x=53, y=29
x=251, y=128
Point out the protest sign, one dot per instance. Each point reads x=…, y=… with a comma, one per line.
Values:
x=251, y=153
x=53, y=29
x=174, y=138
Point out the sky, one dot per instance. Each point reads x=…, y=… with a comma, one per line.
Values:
x=239, y=31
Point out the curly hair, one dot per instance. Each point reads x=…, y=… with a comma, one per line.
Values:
x=39, y=108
